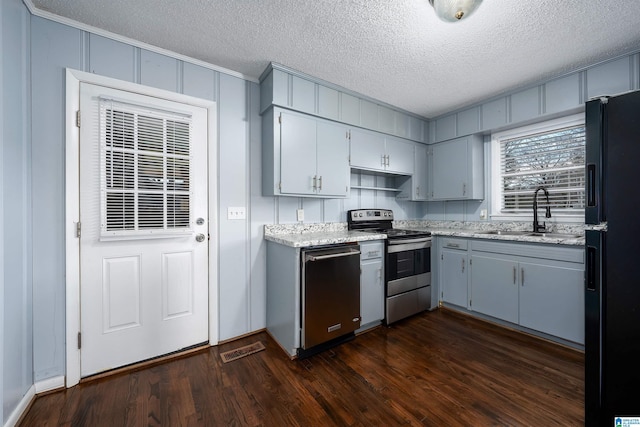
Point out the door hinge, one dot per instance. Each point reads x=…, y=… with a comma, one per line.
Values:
x=79, y=340
x=78, y=118
x=78, y=229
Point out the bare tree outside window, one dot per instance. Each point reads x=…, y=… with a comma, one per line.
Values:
x=554, y=160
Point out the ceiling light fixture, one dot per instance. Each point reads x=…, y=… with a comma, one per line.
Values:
x=454, y=10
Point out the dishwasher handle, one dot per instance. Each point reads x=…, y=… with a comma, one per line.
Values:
x=336, y=255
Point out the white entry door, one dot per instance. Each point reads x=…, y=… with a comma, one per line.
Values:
x=143, y=228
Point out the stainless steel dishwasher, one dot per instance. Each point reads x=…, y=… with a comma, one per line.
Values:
x=330, y=296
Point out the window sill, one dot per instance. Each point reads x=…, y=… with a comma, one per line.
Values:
x=566, y=218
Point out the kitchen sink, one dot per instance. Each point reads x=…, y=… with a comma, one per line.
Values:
x=530, y=233
x=506, y=233
x=556, y=235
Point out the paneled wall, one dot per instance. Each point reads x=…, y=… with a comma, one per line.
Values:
x=241, y=283
x=16, y=343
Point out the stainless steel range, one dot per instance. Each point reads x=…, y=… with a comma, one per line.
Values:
x=407, y=262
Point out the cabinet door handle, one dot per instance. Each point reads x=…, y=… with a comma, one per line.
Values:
x=464, y=189
x=522, y=276
x=315, y=182
x=320, y=183
x=514, y=275
x=383, y=160
x=388, y=159
x=463, y=265
x=453, y=245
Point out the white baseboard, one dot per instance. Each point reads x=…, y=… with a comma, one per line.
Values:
x=22, y=407
x=49, y=384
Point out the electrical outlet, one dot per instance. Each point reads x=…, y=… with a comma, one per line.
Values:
x=300, y=214
x=236, y=213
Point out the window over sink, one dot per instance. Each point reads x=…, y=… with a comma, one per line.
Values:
x=550, y=154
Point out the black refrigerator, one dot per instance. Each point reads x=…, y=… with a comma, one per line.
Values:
x=612, y=268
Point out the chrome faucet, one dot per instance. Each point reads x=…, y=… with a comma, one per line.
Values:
x=540, y=228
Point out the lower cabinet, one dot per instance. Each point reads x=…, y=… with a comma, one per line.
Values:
x=494, y=288
x=552, y=299
x=539, y=287
x=454, y=272
x=371, y=283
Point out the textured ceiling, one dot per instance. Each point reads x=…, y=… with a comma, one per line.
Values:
x=395, y=51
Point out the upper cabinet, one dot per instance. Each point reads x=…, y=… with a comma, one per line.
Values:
x=379, y=153
x=457, y=170
x=283, y=87
x=304, y=156
x=416, y=187
x=420, y=188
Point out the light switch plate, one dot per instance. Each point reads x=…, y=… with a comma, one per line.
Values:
x=300, y=214
x=236, y=213
x=483, y=214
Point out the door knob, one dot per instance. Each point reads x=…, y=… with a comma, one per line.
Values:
x=200, y=238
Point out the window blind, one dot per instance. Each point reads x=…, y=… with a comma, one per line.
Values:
x=553, y=159
x=145, y=170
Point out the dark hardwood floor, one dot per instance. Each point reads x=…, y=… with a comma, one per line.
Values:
x=435, y=369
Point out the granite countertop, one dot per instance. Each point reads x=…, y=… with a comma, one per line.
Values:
x=570, y=240
x=323, y=238
x=305, y=235
x=478, y=230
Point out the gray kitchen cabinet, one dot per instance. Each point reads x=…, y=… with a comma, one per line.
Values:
x=457, y=169
x=494, y=286
x=551, y=298
x=454, y=270
x=371, y=283
x=376, y=152
x=367, y=150
x=283, y=87
x=538, y=287
x=416, y=187
x=304, y=156
x=400, y=158
x=421, y=190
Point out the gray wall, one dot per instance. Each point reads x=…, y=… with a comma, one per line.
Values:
x=16, y=351
x=32, y=180
x=241, y=287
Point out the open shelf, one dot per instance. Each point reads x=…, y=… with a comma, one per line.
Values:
x=363, y=187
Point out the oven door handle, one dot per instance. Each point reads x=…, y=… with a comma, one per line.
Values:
x=403, y=246
x=407, y=241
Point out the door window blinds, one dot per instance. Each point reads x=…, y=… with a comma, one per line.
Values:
x=145, y=171
x=553, y=159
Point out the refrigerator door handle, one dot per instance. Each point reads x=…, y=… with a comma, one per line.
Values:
x=591, y=185
x=591, y=271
